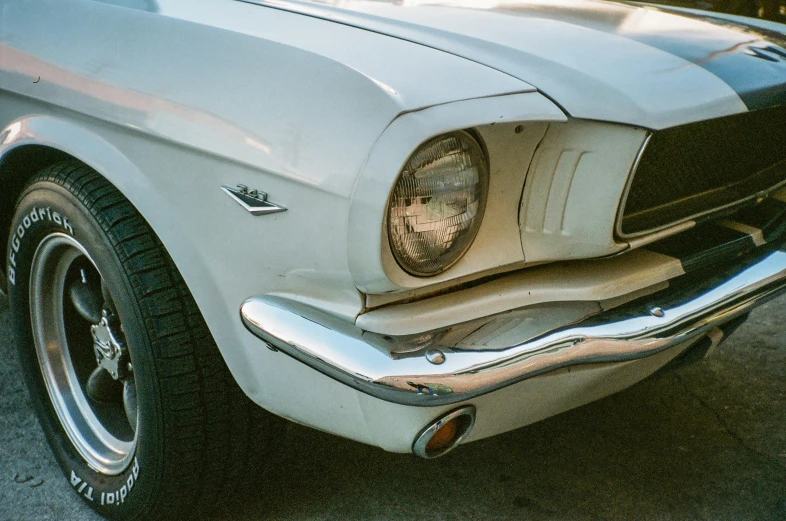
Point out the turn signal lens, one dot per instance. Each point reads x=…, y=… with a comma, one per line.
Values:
x=437, y=204
x=444, y=436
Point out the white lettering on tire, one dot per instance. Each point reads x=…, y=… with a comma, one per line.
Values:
x=117, y=497
x=36, y=215
x=80, y=486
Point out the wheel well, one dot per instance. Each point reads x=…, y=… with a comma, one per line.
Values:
x=16, y=167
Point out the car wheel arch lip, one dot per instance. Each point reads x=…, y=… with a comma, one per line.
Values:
x=97, y=153
x=85, y=146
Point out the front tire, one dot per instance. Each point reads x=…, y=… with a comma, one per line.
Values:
x=131, y=391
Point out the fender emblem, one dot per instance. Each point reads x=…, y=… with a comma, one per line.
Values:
x=254, y=201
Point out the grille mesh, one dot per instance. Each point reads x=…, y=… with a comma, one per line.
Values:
x=693, y=169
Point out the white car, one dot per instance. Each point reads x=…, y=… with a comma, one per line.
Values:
x=413, y=224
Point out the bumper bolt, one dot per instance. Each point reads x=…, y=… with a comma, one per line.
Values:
x=435, y=356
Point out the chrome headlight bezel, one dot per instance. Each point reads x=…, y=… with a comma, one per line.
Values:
x=417, y=252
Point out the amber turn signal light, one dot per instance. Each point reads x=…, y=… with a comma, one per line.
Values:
x=443, y=434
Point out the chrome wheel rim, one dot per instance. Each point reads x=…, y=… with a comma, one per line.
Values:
x=102, y=427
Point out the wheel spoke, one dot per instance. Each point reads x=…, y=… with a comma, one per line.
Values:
x=101, y=387
x=129, y=401
x=86, y=298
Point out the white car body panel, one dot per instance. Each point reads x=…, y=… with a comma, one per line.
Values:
x=263, y=146
x=111, y=119
x=577, y=163
x=149, y=97
x=592, y=73
x=321, y=111
x=588, y=281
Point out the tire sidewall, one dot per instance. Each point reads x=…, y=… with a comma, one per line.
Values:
x=45, y=208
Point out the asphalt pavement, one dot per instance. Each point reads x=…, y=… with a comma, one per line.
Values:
x=705, y=441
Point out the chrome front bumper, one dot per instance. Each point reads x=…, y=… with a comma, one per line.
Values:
x=466, y=360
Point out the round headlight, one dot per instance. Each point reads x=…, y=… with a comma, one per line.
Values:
x=437, y=204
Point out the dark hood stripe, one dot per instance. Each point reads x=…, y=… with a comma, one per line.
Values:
x=745, y=63
x=759, y=91
x=756, y=69
x=750, y=60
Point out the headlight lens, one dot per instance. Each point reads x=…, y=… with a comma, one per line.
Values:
x=437, y=204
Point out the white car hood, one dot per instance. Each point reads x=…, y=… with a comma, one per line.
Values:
x=595, y=59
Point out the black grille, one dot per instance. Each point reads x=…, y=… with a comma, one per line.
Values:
x=694, y=169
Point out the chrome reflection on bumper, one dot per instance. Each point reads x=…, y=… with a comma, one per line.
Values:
x=396, y=368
